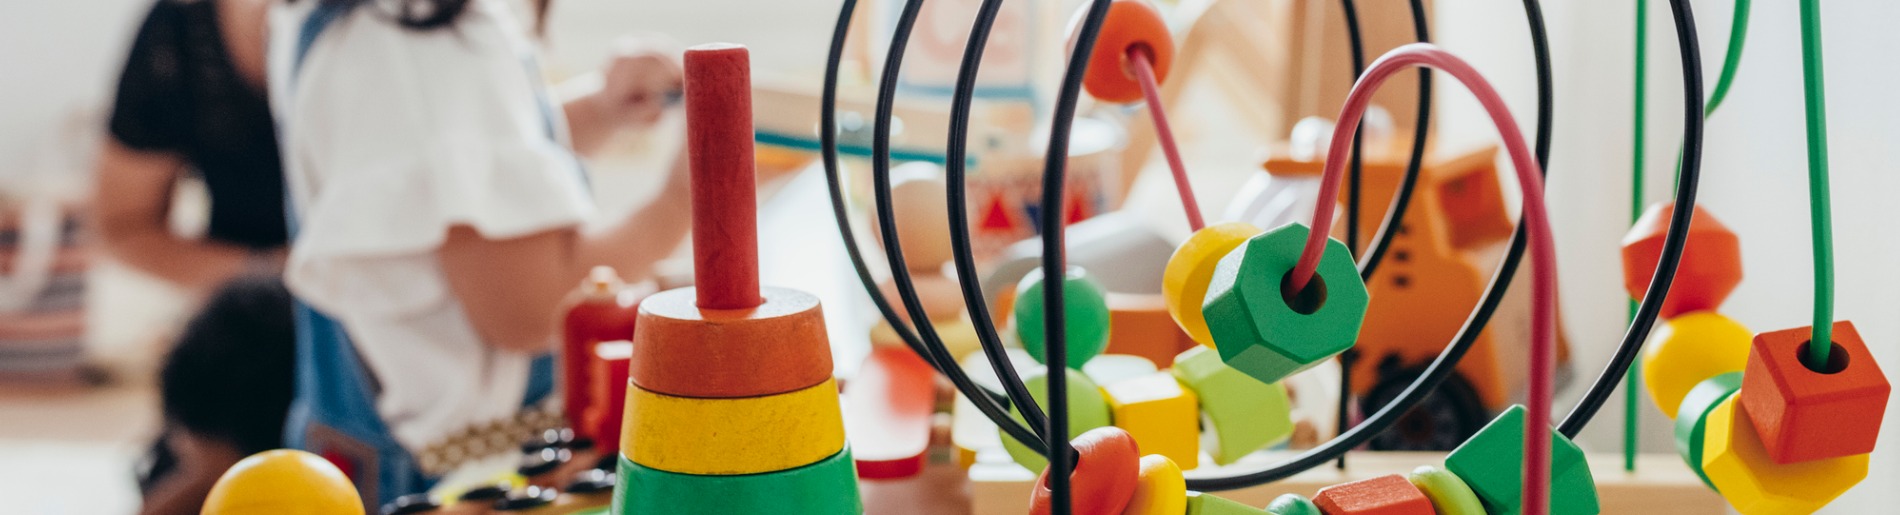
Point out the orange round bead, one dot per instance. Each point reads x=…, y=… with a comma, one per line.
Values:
x=1105, y=476
x=1131, y=24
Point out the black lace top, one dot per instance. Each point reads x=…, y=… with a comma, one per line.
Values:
x=181, y=94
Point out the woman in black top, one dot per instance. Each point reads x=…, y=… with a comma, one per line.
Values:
x=192, y=101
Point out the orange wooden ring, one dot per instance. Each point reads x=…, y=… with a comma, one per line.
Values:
x=1130, y=23
x=684, y=351
x=1105, y=475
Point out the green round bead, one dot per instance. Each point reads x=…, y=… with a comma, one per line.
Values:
x=1085, y=310
x=1088, y=409
x=1693, y=417
x=1292, y=504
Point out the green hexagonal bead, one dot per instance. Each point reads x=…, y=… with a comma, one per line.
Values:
x=1693, y=416
x=1239, y=414
x=1268, y=335
x=1088, y=409
x=1492, y=464
x=1085, y=310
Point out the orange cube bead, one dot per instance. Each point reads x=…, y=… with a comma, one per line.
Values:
x=1383, y=495
x=1711, y=263
x=1805, y=415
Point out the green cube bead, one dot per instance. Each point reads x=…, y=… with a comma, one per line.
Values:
x=1239, y=414
x=1088, y=409
x=1085, y=320
x=1492, y=464
x=1269, y=335
x=1692, y=417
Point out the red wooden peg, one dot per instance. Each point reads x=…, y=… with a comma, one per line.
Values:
x=1104, y=478
x=1383, y=495
x=1803, y=414
x=725, y=207
x=887, y=413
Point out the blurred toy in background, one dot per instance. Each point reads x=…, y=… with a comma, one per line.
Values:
x=45, y=253
x=599, y=319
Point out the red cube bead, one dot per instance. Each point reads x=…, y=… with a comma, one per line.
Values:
x=1383, y=495
x=1803, y=414
x=1711, y=260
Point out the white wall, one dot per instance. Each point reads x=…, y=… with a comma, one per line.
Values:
x=1754, y=174
x=59, y=57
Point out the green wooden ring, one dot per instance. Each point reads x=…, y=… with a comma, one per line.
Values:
x=828, y=487
x=1255, y=328
x=1692, y=417
x=1085, y=316
x=1293, y=504
x=1448, y=492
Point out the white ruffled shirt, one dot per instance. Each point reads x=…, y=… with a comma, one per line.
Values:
x=390, y=137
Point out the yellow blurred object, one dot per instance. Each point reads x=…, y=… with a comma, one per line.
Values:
x=1689, y=349
x=283, y=482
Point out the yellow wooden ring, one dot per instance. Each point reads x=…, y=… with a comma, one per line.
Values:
x=1184, y=281
x=724, y=437
x=1160, y=489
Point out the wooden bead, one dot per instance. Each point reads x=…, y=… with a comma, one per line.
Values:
x=1105, y=476
x=1711, y=261
x=1807, y=415
x=283, y=481
x=1113, y=368
x=1293, y=504
x=828, y=487
x=1163, y=416
x=923, y=223
x=1688, y=349
x=780, y=346
x=941, y=296
x=1184, y=281
x=1140, y=324
x=1384, y=495
x=889, y=406
x=1268, y=335
x=1130, y=24
x=1087, y=410
x=1161, y=488
x=754, y=435
x=718, y=93
x=1209, y=504
x=1085, y=309
x=1745, y=474
x=1449, y=494
x=1693, y=416
x=609, y=384
x=1491, y=463
x=1239, y=414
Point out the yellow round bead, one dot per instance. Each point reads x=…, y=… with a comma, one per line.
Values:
x=1689, y=349
x=1184, y=282
x=1161, y=488
x=283, y=482
x=1740, y=468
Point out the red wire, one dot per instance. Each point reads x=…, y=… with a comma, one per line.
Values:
x=1535, y=219
x=1145, y=74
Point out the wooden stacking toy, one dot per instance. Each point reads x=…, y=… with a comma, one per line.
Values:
x=1711, y=262
x=283, y=481
x=731, y=407
x=1806, y=411
x=1269, y=332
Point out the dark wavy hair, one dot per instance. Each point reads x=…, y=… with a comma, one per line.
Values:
x=433, y=14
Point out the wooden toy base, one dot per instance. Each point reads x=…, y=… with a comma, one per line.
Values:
x=1660, y=485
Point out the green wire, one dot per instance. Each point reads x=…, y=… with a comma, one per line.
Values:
x=1630, y=397
x=1731, y=62
x=1815, y=85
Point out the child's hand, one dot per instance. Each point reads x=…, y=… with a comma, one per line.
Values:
x=639, y=81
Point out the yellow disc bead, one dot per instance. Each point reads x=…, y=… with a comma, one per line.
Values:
x=1184, y=282
x=725, y=437
x=283, y=482
x=1739, y=466
x=1161, y=488
x=1689, y=349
